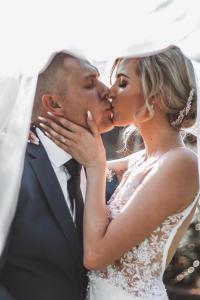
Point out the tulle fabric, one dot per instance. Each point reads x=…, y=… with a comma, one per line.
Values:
x=19, y=68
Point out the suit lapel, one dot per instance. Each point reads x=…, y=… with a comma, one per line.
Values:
x=52, y=190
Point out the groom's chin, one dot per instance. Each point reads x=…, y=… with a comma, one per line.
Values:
x=106, y=128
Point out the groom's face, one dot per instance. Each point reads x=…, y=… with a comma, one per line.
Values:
x=84, y=91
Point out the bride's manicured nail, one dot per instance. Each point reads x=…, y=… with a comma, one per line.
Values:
x=35, y=139
x=41, y=118
x=50, y=114
x=36, y=142
x=89, y=115
x=47, y=134
x=42, y=125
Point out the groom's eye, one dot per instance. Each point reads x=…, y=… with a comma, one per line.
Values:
x=90, y=84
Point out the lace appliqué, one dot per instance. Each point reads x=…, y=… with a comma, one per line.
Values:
x=139, y=271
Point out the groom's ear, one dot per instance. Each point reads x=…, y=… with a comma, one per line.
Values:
x=50, y=102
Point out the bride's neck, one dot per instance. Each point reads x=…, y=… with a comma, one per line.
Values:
x=159, y=138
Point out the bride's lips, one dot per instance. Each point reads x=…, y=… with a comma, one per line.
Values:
x=110, y=113
x=109, y=109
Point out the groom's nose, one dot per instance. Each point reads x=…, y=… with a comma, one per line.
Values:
x=105, y=93
x=111, y=95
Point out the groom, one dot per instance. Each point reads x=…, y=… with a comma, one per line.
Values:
x=43, y=257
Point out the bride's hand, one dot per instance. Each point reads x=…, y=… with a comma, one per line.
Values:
x=32, y=138
x=84, y=145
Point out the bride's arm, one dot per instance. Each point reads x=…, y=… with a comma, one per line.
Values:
x=166, y=190
x=119, y=164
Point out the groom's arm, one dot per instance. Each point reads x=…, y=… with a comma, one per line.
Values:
x=111, y=185
x=4, y=293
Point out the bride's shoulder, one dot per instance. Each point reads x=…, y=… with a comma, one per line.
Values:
x=176, y=178
x=180, y=159
x=179, y=167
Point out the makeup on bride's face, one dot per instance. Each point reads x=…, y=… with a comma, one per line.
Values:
x=126, y=93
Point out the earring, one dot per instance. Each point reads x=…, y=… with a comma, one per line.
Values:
x=152, y=106
x=152, y=110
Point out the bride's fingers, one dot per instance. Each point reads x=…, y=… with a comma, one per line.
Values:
x=56, y=125
x=33, y=138
x=59, y=143
x=64, y=123
x=58, y=138
x=49, y=125
x=91, y=123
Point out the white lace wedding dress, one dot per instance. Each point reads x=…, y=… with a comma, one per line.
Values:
x=138, y=274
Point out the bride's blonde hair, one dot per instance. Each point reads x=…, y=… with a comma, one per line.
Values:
x=170, y=76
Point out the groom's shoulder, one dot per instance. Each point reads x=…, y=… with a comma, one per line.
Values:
x=32, y=152
x=36, y=159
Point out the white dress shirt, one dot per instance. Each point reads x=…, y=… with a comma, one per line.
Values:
x=58, y=157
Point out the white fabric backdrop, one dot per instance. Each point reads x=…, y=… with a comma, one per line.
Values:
x=31, y=30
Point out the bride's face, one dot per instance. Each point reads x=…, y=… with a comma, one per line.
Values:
x=126, y=93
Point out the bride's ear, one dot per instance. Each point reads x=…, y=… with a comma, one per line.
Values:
x=50, y=102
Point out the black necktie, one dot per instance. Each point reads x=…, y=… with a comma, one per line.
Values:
x=74, y=190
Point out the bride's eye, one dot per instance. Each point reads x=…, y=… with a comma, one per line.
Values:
x=123, y=83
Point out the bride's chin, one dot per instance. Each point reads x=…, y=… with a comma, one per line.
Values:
x=117, y=123
x=121, y=123
x=114, y=119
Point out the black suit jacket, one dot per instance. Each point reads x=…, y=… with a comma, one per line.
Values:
x=43, y=255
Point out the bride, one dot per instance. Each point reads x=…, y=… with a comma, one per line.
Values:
x=129, y=242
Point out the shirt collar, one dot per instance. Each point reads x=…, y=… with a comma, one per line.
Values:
x=56, y=155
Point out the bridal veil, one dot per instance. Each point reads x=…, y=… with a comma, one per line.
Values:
x=101, y=31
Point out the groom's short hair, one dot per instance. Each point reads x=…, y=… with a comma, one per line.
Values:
x=52, y=79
